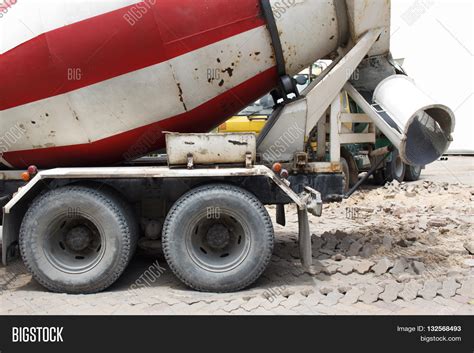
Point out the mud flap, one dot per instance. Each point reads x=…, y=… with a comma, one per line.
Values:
x=280, y=215
x=11, y=227
x=304, y=239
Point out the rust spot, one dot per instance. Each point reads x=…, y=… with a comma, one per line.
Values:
x=238, y=143
x=221, y=83
x=257, y=53
x=332, y=37
x=218, y=60
x=229, y=70
x=181, y=95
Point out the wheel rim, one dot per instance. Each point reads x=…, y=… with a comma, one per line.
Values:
x=74, y=244
x=416, y=170
x=218, y=244
x=399, y=167
x=346, y=172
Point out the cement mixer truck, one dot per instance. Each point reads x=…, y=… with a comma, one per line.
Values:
x=86, y=90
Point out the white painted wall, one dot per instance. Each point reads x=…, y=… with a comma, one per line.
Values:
x=436, y=38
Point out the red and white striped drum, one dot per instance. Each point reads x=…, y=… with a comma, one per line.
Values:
x=97, y=82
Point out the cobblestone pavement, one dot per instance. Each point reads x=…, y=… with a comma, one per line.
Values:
x=401, y=249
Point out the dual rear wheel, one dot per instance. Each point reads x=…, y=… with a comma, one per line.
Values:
x=78, y=239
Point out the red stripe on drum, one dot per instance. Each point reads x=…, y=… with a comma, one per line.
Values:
x=116, y=43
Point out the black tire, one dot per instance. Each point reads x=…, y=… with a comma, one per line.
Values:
x=346, y=172
x=218, y=238
x=352, y=165
x=413, y=173
x=379, y=177
x=395, y=169
x=78, y=240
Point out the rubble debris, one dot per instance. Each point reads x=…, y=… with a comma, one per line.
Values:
x=382, y=266
x=469, y=246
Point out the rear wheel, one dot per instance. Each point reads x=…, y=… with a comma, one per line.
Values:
x=346, y=172
x=379, y=177
x=218, y=238
x=353, y=174
x=78, y=240
x=413, y=173
x=395, y=169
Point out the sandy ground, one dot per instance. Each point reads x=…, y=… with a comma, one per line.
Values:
x=454, y=170
x=399, y=249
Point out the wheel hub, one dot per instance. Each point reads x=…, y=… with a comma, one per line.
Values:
x=78, y=238
x=218, y=236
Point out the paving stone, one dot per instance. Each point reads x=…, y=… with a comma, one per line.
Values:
x=382, y=266
x=343, y=289
x=367, y=251
x=469, y=246
x=316, y=268
x=449, y=288
x=418, y=267
x=345, y=244
x=467, y=289
x=430, y=289
x=351, y=296
x=327, y=252
x=313, y=299
x=391, y=292
x=404, y=277
x=387, y=243
x=355, y=249
x=399, y=267
x=346, y=267
x=331, y=269
x=388, y=307
x=371, y=294
x=241, y=312
x=197, y=308
x=331, y=243
x=332, y=298
x=326, y=290
x=293, y=301
x=304, y=310
x=253, y=303
x=363, y=267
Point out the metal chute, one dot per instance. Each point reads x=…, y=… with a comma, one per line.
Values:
x=424, y=128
